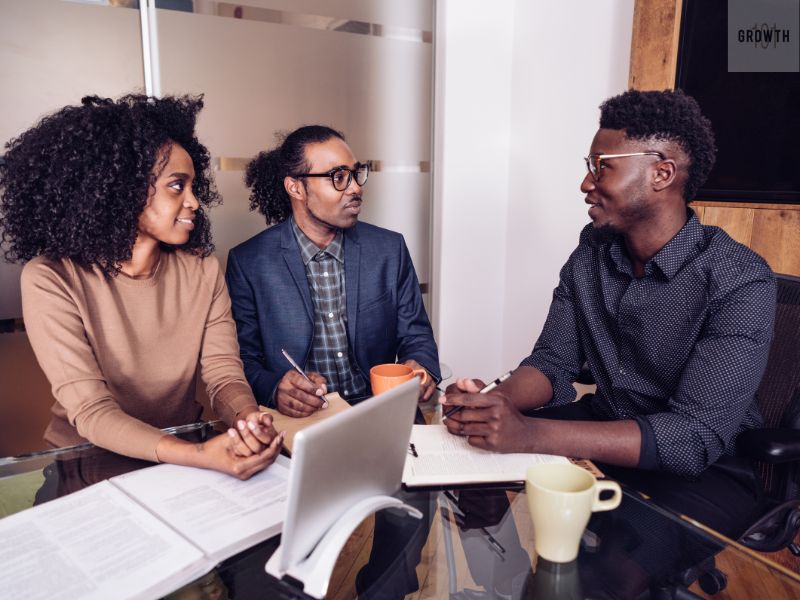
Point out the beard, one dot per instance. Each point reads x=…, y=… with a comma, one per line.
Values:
x=604, y=234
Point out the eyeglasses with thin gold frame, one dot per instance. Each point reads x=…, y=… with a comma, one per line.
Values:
x=594, y=162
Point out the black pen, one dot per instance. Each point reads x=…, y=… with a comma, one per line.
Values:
x=488, y=388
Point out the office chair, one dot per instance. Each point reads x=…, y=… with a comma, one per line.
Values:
x=775, y=447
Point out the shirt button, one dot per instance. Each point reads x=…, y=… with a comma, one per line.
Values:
x=347, y=392
x=330, y=315
x=339, y=354
x=325, y=274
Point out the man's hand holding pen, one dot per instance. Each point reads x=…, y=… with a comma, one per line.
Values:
x=298, y=396
x=489, y=420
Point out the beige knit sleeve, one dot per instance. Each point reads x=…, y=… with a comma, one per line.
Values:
x=220, y=366
x=58, y=338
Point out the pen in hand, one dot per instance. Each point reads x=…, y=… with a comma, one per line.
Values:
x=485, y=390
x=299, y=370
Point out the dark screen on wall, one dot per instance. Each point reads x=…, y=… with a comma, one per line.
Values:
x=756, y=116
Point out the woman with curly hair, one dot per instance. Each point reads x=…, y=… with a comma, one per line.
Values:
x=122, y=301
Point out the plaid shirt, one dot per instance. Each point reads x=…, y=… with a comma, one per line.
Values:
x=330, y=352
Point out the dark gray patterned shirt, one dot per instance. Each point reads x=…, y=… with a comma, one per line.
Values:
x=681, y=350
x=330, y=351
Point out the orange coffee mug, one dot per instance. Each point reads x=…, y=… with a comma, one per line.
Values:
x=385, y=377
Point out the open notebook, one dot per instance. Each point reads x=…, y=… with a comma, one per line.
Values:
x=139, y=535
x=445, y=459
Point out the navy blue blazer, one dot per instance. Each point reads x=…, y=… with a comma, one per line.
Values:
x=272, y=306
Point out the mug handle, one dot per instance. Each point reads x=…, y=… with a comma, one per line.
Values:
x=423, y=375
x=610, y=503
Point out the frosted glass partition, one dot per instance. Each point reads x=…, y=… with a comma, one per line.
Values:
x=364, y=67
x=51, y=54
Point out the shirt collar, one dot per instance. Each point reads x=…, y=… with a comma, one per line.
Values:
x=308, y=249
x=686, y=244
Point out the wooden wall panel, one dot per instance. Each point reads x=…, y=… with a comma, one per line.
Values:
x=776, y=237
x=737, y=222
x=656, y=26
x=772, y=230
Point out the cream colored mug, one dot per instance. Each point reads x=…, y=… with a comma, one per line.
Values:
x=385, y=377
x=561, y=498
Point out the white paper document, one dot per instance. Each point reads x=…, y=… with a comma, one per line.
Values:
x=138, y=535
x=446, y=459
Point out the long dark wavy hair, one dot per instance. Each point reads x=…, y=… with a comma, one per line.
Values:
x=266, y=172
x=73, y=186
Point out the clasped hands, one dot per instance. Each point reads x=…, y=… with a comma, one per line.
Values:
x=250, y=446
x=488, y=421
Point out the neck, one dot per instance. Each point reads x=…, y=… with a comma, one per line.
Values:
x=143, y=261
x=320, y=233
x=645, y=240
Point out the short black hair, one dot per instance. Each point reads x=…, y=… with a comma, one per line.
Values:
x=73, y=186
x=667, y=115
x=266, y=172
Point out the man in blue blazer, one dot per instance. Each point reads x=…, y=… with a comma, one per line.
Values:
x=338, y=295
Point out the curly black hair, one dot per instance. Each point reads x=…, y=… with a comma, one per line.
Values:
x=73, y=186
x=266, y=172
x=669, y=115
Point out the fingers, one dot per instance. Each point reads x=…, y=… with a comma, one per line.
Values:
x=245, y=429
x=249, y=466
x=298, y=397
x=237, y=445
x=298, y=404
x=260, y=426
x=315, y=387
x=475, y=401
x=452, y=389
x=462, y=386
x=470, y=386
x=426, y=391
x=320, y=381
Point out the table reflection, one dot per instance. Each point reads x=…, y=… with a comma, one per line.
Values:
x=471, y=543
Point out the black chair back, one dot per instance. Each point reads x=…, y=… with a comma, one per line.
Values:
x=779, y=392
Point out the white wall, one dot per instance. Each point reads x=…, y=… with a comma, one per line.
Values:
x=516, y=94
x=472, y=115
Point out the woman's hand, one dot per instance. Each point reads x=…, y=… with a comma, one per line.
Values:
x=221, y=453
x=254, y=433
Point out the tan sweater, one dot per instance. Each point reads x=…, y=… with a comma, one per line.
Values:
x=121, y=354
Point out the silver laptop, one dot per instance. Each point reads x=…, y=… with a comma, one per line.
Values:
x=352, y=455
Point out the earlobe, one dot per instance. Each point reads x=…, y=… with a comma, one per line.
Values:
x=292, y=187
x=665, y=174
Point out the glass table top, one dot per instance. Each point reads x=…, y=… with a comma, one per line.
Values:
x=471, y=543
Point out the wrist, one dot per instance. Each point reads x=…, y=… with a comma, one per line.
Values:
x=244, y=413
x=179, y=452
x=533, y=438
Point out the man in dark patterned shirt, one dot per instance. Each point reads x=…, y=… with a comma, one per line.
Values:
x=338, y=295
x=673, y=318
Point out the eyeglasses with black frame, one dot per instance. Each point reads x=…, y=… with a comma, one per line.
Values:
x=594, y=162
x=341, y=177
